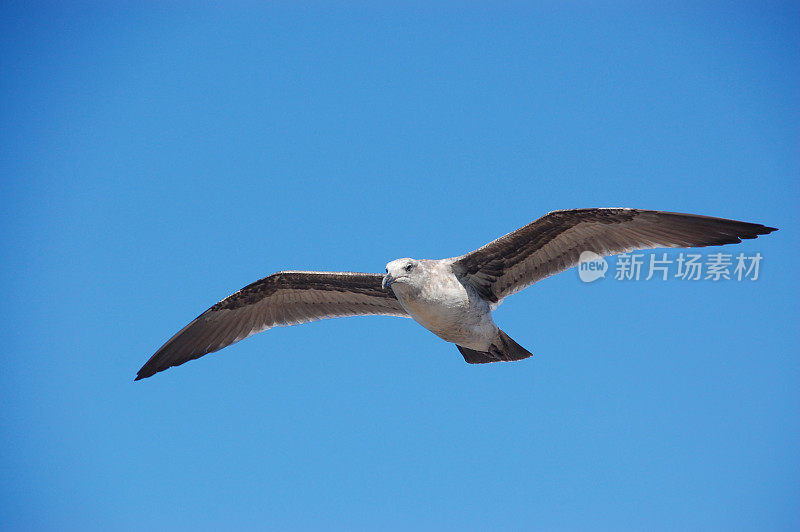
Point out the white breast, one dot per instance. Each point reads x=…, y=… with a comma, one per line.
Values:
x=448, y=309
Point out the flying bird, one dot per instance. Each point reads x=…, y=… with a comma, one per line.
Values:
x=454, y=297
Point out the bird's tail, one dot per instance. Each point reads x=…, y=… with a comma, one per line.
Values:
x=503, y=348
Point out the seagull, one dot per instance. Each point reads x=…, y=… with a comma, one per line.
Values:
x=454, y=297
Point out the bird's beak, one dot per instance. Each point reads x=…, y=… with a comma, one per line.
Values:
x=387, y=281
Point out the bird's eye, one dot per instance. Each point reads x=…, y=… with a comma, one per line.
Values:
x=409, y=267
x=387, y=270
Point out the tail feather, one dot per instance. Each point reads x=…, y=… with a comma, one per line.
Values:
x=502, y=349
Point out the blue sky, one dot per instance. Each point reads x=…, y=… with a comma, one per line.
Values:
x=155, y=159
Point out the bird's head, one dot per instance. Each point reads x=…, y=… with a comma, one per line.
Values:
x=404, y=272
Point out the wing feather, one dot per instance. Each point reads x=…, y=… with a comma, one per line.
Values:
x=554, y=242
x=283, y=298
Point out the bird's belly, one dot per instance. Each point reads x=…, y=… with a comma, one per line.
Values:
x=456, y=318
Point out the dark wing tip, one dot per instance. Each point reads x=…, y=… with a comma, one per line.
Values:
x=191, y=342
x=148, y=370
x=709, y=231
x=168, y=356
x=142, y=374
x=754, y=231
x=744, y=231
x=153, y=366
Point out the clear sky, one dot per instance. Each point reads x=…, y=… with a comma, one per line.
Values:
x=155, y=159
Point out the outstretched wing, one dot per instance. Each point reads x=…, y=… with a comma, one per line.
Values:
x=555, y=241
x=283, y=298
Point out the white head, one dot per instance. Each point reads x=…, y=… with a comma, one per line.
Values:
x=405, y=272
